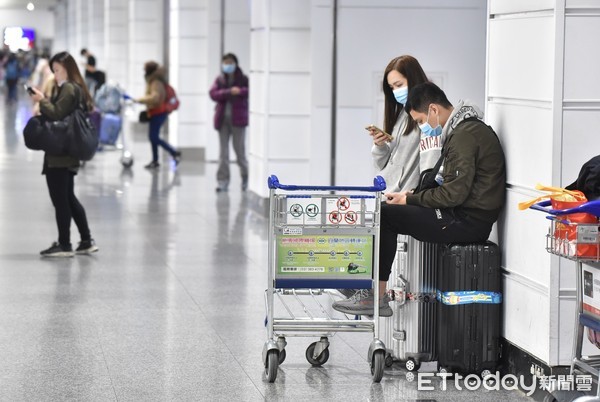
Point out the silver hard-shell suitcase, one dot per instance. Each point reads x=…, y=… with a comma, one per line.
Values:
x=410, y=333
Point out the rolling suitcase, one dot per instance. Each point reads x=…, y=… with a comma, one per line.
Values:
x=469, y=308
x=110, y=128
x=409, y=334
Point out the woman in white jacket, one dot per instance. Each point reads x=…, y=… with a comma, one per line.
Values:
x=407, y=153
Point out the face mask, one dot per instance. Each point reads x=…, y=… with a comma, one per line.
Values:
x=228, y=68
x=429, y=131
x=401, y=95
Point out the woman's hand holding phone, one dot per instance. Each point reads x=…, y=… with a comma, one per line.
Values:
x=380, y=137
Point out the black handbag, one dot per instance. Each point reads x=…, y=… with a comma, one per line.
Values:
x=143, y=117
x=79, y=133
x=75, y=135
x=38, y=136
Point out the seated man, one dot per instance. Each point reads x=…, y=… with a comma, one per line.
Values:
x=464, y=203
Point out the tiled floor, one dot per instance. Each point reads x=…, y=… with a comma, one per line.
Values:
x=170, y=308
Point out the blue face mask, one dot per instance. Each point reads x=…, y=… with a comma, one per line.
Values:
x=429, y=131
x=228, y=68
x=401, y=95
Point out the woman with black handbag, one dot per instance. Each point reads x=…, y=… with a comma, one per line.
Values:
x=60, y=170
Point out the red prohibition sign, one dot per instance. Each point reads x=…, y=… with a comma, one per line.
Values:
x=350, y=217
x=335, y=217
x=343, y=203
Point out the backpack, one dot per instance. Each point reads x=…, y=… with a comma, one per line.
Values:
x=588, y=180
x=171, y=101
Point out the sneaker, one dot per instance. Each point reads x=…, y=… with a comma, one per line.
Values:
x=362, y=303
x=152, y=165
x=222, y=187
x=87, y=247
x=177, y=157
x=57, y=250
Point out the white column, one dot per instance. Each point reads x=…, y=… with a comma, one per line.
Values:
x=116, y=39
x=280, y=92
x=95, y=39
x=232, y=17
x=145, y=40
x=543, y=107
x=60, y=28
x=188, y=56
x=78, y=19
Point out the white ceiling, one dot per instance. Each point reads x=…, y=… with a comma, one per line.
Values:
x=21, y=4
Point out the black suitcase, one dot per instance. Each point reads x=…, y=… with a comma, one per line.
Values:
x=469, y=308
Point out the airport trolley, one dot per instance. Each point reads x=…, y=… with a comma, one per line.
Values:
x=320, y=238
x=579, y=242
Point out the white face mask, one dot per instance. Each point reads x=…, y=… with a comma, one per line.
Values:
x=401, y=95
x=429, y=131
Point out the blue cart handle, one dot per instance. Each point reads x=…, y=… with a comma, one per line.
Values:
x=591, y=207
x=378, y=185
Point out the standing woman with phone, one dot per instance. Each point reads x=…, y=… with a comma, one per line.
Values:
x=230, y=91
x=60, y=170
x=408, y=152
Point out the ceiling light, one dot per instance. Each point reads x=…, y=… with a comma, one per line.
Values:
x=30, y=6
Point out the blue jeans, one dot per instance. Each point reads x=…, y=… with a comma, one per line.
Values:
x=156, y=123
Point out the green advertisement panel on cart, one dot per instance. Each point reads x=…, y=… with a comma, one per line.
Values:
x=324, y=256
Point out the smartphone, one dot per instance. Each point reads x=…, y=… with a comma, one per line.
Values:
x=28, y=89
x=374, y=127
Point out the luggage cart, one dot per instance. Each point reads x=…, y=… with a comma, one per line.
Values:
x=579, y=242
x=320, y=238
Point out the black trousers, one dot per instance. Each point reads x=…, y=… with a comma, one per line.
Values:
x=61, y=183
x=424, y=224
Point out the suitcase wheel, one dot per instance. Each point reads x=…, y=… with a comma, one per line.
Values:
x=412, y=365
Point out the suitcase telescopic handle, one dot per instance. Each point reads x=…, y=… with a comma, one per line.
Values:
x=378, y=185
x=591, y=207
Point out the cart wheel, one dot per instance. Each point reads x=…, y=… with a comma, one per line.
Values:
x=410, y=376
x=321, y=359
x=377, y=364
x=282, y=356
x=272, y=365
x=485, y=374
x=389, y=360
x=412, y=365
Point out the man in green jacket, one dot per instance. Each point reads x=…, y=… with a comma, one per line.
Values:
x=465, y=199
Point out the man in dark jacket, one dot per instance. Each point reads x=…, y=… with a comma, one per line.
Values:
x=463, y=204
x=230, y=91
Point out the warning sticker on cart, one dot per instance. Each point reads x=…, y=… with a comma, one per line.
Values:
x=344, y=211
x=591, y=291
x=325, y=256
x=303, y=211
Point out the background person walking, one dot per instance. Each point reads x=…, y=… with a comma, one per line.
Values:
x=155, y=99
x=230, y=91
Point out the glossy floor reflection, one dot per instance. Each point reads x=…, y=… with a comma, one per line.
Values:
x=170, y=308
